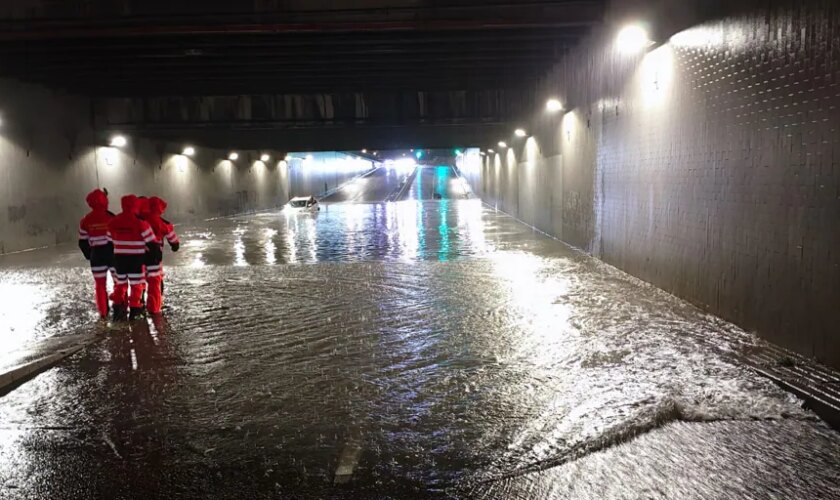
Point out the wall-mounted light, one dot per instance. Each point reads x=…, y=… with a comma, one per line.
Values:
x=233, y=156
x=553, y=105
x=118, y=141
x=502, y=144
x=364, y=151
x=264, y=158
x=632, y=39
x=490, y=151
x=188, y=151
x=520, y=133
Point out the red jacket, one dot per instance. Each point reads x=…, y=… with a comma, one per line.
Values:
x=129, y=233
x=143, y=207
x=162, y=228
x=93, y=228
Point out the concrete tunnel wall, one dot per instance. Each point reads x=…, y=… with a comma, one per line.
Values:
x=50, y=158
x=709, y=166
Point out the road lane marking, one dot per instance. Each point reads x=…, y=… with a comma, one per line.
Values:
x=347, y=462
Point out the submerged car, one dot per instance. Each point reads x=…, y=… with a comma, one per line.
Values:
x=303, y=204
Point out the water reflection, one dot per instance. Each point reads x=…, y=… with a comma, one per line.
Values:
x=239, y=247
x=270, y=246
x=22, y=307
x=446, y=374
x=396, y=231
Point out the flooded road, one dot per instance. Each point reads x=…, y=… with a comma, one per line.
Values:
x=403, y=350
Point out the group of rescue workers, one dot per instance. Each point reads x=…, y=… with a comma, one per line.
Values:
x=130, y=246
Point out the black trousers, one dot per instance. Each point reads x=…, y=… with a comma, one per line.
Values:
x=130, y=269
x=101, y=260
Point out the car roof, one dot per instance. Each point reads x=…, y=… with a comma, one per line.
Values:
x=300, y=198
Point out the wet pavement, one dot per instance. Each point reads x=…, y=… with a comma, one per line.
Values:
x=401, y=350
x=383, y=184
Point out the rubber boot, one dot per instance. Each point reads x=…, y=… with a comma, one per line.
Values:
x=136, y=313
x=118, y=312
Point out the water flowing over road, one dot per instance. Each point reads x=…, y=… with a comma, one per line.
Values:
x=405, y=349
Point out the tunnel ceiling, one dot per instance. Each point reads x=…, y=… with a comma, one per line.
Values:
x=374, y=62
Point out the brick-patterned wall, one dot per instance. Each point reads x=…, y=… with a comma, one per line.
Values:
x=710, y=167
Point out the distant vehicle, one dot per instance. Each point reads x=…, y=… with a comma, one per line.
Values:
x=303, y=204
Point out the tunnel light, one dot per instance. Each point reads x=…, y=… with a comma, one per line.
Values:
x=188, y=151
x=233, y=156
x=502, y=144
x=118, y=141
x=553, y=105
x=520, y=133
x=490, y=151
x=364, y=151
x=264, y=158
x=632, y=39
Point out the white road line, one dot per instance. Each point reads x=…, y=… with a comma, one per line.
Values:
x=347, y=462
x=153, y=332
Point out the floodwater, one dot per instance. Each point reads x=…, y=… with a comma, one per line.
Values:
x=407, y=349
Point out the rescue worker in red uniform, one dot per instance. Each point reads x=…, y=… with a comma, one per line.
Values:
x=95, y=244
x=132, y=238
x=143, y=213
x=163, y=229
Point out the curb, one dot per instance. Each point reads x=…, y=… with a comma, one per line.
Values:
x=22, y=373
x=408, y=182
x=827, y=408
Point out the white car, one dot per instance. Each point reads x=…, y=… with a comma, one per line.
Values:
x=303, y=204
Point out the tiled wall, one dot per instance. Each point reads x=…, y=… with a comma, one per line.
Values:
x=709, y=166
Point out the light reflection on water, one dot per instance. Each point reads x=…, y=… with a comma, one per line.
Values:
x=455, y=345
x=23, y=307
x=400, y=231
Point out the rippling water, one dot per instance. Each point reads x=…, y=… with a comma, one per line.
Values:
x=458, y=352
